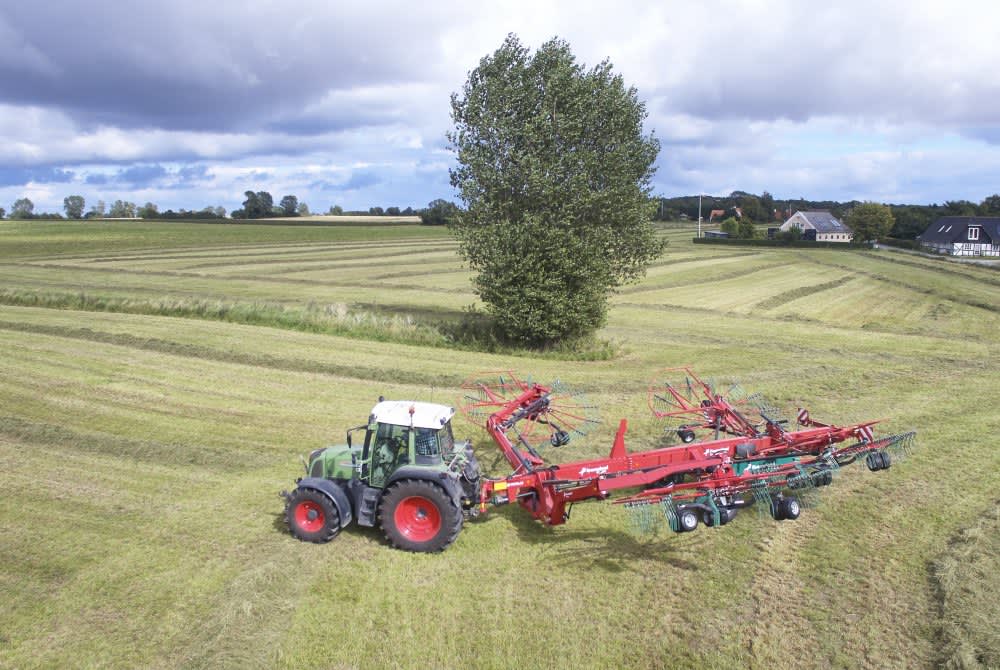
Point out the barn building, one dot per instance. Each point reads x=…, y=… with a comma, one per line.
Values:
x=963, y=236
x=819, y=226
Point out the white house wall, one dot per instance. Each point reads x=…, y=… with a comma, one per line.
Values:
x=798, y=221
x=975, y=249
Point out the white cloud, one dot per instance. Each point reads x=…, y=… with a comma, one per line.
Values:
x=847, y=99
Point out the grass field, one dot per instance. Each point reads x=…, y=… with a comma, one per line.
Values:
x=158, y=382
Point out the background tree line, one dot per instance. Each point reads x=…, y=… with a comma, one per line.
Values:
x=258, y=205
x=75, y=208
x=909, y=220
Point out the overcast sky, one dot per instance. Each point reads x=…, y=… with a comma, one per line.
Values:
x=190, y=103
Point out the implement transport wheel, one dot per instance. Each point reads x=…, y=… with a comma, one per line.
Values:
x=790, y=509
x=687, y=520
x=418, y=515
x=725, y=516
x=311, y=516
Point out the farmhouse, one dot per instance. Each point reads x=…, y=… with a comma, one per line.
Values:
x=963, y=236
x=820, y=226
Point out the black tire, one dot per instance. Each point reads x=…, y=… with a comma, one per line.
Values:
x=778, y=509
x=725, y=516
x=311, y=516
x=560, y=438
x=687, y=520
x=791, y=509
x=885, y=460
x=686, y=435
x=418, y=515
x=872, y=461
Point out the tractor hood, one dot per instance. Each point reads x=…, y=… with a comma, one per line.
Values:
x=336, y=462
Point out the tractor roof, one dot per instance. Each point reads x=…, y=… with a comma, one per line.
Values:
x=425, y=414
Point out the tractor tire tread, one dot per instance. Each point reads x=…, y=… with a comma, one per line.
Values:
x=330, y=529
x=451, y=515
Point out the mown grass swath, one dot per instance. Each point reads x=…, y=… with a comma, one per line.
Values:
x=142, y=452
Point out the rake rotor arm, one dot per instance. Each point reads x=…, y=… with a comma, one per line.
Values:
x=529, y=403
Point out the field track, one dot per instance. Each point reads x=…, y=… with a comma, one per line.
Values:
x=159, y=381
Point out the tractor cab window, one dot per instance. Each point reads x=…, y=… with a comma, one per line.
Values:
x=389, y=450
x=426, y=442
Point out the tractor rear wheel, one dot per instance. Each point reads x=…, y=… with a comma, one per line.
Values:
x=418, y=515
x=311, y=516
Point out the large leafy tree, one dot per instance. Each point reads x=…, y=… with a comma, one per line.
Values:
x=289, y=205
x=869, y=221
x=122, y=209
x=258, y=205
x=74, y=204
x=149, y=211
x=22, y=208
x=438, y=212
x=554, y=171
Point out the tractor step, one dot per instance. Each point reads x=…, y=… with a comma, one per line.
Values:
x=369, y=506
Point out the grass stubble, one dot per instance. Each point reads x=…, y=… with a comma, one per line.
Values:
x=148, y=420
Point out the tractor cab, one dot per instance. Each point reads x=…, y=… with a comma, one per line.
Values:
x=400, y=433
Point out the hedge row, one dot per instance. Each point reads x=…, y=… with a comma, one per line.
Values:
x=804, y=244
x=902, y=244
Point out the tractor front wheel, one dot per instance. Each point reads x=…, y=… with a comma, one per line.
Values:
x=311, y=516
x=418, y=515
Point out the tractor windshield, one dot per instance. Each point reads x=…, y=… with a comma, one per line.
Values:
x=431, y=442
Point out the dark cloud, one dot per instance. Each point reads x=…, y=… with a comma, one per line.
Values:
x=322, y=185
x=192, y=172
x=201, y=66
x=18, y=176
x=859, y=62
x=989, y=134
x=141, y=175
x=360, y=180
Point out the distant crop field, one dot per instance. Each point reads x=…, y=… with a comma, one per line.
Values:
x=158, y=382
x=333, y=219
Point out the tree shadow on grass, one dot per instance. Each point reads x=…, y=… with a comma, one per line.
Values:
x=603, y=548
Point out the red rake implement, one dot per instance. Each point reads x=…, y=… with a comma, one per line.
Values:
x=753, y=457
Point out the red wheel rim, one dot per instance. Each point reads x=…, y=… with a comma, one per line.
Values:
x=417, y=519
x=309, y=516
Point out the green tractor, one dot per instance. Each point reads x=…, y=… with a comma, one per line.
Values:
x=409, y=476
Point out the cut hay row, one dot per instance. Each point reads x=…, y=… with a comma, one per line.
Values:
x=142, y=453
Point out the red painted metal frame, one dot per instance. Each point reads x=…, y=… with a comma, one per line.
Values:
x=712, y=411
x=546, y=490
